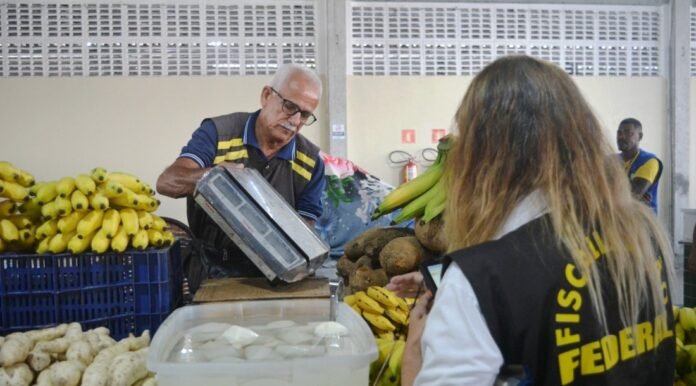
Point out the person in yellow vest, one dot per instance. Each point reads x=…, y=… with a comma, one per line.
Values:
x=267, y=140
x=644, y=169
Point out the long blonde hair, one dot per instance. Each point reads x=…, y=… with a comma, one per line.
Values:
x=523, y=127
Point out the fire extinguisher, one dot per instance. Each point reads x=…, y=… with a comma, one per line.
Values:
x=409, y=171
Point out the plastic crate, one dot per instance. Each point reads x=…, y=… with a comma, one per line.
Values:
x=127, y=292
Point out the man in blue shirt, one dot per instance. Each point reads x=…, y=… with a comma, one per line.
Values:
x=267, y=140
x=643, y=168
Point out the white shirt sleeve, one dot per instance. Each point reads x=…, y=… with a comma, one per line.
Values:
x=457, y=346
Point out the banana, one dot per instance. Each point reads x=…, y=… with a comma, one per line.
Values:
x=3, y=245
x=158, y=223
x=85, y=184
x=402, y=305
x=383, y=296
x=144, y=219
x=65, y=187
x=397, y=316
x=26, y=179
x=43, y=246
x=8, y=172
x=349, y=299
x=679, y=331
x=119, y=243
x=435, y=206
x=168, y=238
x=396, y=357
x=35, y=188
x=128, y=199
x=78, y=244
x=47, y=230
x=155, y=238
x=140, y=240
x=146, y=189
x=378, y=320
x=387, y=335
x=7, y=208
x=110, y=188
x=69, y=223
x=405, y=193
x=127, y=180
x=129, y=219
x=49, y=210
x=99, y=174
x=63, y=206
x=46, y=192
x=417, y=206
x=146, y=203
x=98, y=201
x=110, y=223
x=30, y=208
x=79, y=201
x=687, y=318
x=13, y=191
x=8, y=230
x=100, y=242
x=21, y=221
x=90, y=223
x=26, y=238
x=366, y=303
x=59, y=242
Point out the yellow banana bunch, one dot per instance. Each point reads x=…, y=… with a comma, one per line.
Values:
x=99, y=174
x=383, y=296
x=140, y=240
x=144, y=219
x=9, y=172
x=155, y=238
x=168, y=238
x=366, y=303
x=65, y=186
x=128, y=199
x=110, y=188
x=129, y=220
x=85, y=184
x=146, y=203
x=158, y=223
x=30, y=208
x=49, y=210
x=42, y=247
x=386, y=313
x=21, y=221
x=110, y=223
x=78, y=200
x=90, y=223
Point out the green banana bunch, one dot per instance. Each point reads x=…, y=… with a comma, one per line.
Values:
x=410, y=195
x=435, y=206
x=417, y=207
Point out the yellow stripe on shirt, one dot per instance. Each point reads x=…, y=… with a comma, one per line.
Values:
x=224, y=145
x=648, y=170
x=301, y=171
x=231, y=156
x=304, y=158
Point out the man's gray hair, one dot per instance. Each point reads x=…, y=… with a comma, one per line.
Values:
x=287, y=69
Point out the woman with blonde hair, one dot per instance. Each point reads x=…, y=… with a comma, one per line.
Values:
x=554, y=267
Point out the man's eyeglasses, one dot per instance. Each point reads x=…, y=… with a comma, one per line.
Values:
x=290, y=108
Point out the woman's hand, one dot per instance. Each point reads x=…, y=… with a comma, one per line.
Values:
x=406, y=285
x=413, y=358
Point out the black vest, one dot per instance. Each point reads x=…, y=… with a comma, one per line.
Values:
x=540, y=316
x=219, y=255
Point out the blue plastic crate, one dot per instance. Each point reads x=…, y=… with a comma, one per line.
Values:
x=127, y=292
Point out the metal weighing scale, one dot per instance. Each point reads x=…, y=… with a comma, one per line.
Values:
x=261, y=222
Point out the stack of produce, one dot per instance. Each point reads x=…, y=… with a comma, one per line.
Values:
x=16, y=232
x=388, y=317
x=685, y=333
x=67, y=356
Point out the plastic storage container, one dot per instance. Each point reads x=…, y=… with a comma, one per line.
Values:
x=343, y=370
x=126, y=292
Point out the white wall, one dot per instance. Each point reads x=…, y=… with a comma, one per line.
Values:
x=380, y=107
x=56, y=127
x=692, y=147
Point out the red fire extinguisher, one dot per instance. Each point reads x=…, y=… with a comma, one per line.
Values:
x=410, y=171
